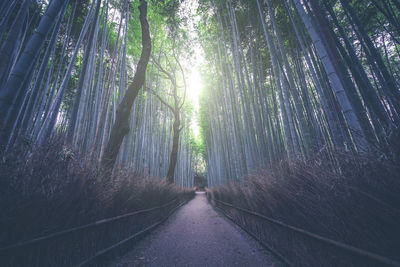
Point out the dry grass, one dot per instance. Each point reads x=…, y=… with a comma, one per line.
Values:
x=52, y=189
x=359, y=206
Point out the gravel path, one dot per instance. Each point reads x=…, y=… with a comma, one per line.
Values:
x=196, y=235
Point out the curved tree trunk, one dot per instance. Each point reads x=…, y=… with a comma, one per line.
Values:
x=121, y=125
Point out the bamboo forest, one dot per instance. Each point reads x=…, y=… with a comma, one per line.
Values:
x=200, y=132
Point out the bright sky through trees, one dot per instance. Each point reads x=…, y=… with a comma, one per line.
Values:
x=194, y=89
x=194, y=83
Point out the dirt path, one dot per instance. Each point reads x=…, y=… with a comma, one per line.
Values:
x=196, y=235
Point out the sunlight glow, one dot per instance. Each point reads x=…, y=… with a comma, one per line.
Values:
x=194, y=86
x=193, y=92
x=194, y=83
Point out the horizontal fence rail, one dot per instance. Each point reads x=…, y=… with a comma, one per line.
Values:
x=82, y=227
x=35, y=251
x=344, y=247
x=268, y=247
x=104, y=251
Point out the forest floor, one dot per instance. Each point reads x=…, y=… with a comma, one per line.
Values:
x=196, y=235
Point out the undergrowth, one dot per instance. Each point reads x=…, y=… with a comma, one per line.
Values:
x=52, y=189
x=358, y=205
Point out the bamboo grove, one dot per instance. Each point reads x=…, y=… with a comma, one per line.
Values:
x=65, y=67
x=294, y=79
x=283, y=80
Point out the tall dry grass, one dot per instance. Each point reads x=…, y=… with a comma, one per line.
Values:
x=52, y=189
x=358, y=205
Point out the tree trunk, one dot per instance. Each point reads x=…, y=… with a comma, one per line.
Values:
x=9, y=48
x=51, y=118
x=174, y=152
x=336, y=83
x=14, y=85
x=121, y=125
x=85, y=67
